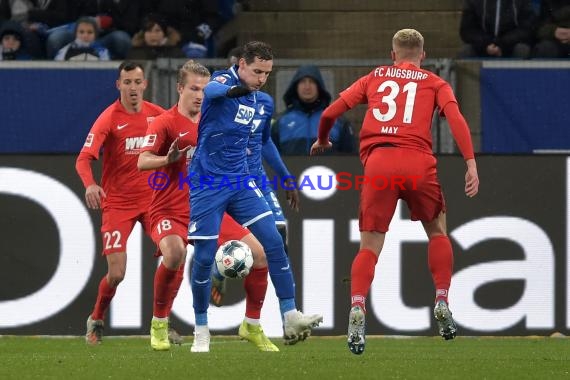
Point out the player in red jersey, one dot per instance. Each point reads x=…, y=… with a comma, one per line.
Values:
x=395, y=140
x=124, y=195
x=170, y=211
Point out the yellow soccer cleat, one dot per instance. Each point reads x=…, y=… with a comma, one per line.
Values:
x=255, y=335
x=159, y=335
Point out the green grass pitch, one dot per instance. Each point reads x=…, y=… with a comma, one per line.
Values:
x=317, y=358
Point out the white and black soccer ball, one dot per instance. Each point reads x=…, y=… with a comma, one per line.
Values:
x=234, y=259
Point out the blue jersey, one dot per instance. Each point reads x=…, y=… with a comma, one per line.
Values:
x=260, y=133
x=260, y=146
x=224, y=130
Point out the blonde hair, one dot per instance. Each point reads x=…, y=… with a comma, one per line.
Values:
x=191, y=67
x=408, y=43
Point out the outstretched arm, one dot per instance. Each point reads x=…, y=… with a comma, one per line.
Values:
x=271, y=155
x=328, y=117
x=149, y=161
x=216, y=89
x=462, y=136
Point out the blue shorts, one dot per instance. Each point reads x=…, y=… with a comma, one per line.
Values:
x=274, y=205
x=207, y=206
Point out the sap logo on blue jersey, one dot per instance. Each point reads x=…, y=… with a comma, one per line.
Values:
x=244, y=114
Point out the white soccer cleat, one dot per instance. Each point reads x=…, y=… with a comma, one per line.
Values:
x=94, y=334
x=298, y=326
x=201, y=341
x=445, y=323
x=356, y=330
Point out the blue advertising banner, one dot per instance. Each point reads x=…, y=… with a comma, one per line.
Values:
x=525, y=107
x=50, y=109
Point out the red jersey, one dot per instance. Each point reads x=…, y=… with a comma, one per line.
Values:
x=121, y=135
x=401, y=100
x=159, y=136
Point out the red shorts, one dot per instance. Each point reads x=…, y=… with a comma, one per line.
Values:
x=395, y=173
x=166, y=224
x=117, y=226
x=231, y=230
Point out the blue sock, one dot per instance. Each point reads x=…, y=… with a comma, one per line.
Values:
x=201, y=319
x=200, y=278
x=286, y=304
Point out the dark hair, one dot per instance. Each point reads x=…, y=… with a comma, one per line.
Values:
x=235, y=52
x=257, y=49
x=86, y=20
x=130, y=66
x=152, y=19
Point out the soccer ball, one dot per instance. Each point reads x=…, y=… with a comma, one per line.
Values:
x=234, y=259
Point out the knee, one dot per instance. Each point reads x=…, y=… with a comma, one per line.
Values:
x=174, y=258
x=115, y=276
x=259, y=259
x=204, y=252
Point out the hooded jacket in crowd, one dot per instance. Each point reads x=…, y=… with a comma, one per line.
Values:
x=296, y=129
x=481, y=24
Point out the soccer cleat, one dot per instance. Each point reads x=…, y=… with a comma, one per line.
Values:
x=255, y=335
x=94, y=332
x=159, y=335
x=218, y=291
x=173, y=336
x=446, y=325
x=201, y=342
x=297, y=326
x=356, y=330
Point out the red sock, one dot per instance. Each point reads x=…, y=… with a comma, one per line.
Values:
x=255, y=286
x=163, y=279
x=440, y=262
x=175, y=286
x=104, y=297
x=361, y=276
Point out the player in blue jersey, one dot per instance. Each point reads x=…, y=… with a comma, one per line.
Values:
x=220, y=181
x=259, y=148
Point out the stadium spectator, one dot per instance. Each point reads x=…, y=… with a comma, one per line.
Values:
x=196, y=20
x=156, y=39
x=169, y=144
x=395, y=143
x=37, y=18
x=554, y=30
x=234, y=55
x=498, y=29
x=117, y=21
x=124, y=194
x=295, y=130
x=84, y=48
x=230, y=103
x=12, y=47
